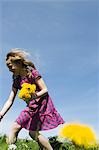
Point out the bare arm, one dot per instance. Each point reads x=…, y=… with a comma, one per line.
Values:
x=40, y=82
x=8, y=103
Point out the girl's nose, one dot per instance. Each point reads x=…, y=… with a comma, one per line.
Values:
x=9, y=65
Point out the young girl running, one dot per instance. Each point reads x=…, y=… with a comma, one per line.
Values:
x=40, y=113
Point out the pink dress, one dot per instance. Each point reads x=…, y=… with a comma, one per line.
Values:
x=40, y=114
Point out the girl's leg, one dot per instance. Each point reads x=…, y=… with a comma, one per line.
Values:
x=14, y=133
x=45, y=142
x=41, y=139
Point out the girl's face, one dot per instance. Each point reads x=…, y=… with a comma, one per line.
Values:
x=14, y=65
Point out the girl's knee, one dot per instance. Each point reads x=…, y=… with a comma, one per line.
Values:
x=34, y=135
x=14, y=133
x=15, y=127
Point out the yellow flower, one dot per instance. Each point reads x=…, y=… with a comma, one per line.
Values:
x=24, y=95
x=29, y=87
x=27, y=91
x=80, y=134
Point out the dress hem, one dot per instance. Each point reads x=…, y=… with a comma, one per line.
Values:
x=40, y=129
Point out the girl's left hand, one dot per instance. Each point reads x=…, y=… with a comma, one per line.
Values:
x=34, y=96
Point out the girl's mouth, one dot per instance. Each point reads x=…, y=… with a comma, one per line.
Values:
x=11, y=69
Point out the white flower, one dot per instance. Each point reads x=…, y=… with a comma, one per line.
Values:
x=12, y=147
x=63, y=140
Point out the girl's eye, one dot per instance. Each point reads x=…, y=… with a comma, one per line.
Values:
x=16, y=62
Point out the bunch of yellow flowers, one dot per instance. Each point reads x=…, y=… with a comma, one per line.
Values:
x=81, y=135
x=27, y=91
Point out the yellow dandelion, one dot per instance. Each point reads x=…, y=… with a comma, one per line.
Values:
x=25, y=85
x=24, y=95
x=27, y=91
x=80, y=134
x=29, y=87
x=33, y=88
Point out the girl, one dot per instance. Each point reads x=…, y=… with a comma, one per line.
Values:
x=40, y=113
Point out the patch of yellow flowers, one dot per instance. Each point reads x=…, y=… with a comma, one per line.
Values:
x=27, y=91
x=81, y=135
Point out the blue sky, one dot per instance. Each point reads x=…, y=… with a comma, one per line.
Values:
x=62, y=38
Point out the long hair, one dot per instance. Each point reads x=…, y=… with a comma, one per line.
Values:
x=21, y=55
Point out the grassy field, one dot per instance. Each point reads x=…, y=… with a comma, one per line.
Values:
x=24, y=144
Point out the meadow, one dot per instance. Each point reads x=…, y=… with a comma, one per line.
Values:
x=25, y=144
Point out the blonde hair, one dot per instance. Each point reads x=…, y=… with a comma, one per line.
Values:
x=19, y=54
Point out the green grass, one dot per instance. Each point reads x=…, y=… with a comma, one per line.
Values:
x=22, y=144
x=25, y=144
